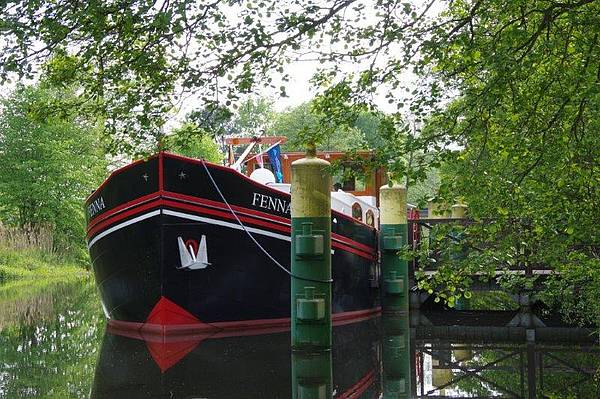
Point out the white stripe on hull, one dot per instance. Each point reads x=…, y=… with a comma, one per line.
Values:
x=121, y=225
x=226, y=224
x=188, y=217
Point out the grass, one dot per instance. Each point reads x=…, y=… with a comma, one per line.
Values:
x=27, y=253
x=32, y=263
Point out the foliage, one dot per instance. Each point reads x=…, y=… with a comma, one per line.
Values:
x=49, y=163
x=423, y=189
x=26, y=238
x=302, y=121
x=562, y=372
x=254, y=116
x=201, y=127
x=131, y=61
x=445, y=249
x=492, y=300
x=213, y=119
x=576, y=290
x=138, y=56
x=527, y=119
x=291, y=123
x=368, y=123
x=192, y=141
x=251, y=118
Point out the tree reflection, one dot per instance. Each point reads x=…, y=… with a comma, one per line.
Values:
x=49, y=337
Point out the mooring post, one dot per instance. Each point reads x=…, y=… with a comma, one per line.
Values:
x=396, y=356
x=393, y=237
x=312, y=375
x=311, y=253
x=459, y=211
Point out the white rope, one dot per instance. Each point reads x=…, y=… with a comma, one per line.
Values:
x=252, y=237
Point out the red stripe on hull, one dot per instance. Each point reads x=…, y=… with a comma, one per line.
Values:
x=275, y=218
x=356, y=244
x=221, y=205
x=226, y=215
x=354, y=251
x=120, y=208
x=360, y=387
x=161, y=175
x=283, y=229
x=151, y=331
x=100, y=226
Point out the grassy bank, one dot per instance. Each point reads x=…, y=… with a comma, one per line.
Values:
x=34, y=263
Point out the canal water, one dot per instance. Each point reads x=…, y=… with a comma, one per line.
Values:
x=54, y=343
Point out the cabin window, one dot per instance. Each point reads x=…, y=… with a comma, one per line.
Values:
x=357, y=211
x=370, y=218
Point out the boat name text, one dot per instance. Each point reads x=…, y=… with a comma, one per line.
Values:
x=96, y=206
x=268, y=202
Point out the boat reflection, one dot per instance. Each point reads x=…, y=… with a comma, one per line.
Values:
x=386, y=357
x=257, y=366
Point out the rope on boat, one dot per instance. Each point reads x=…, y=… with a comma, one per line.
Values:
x=252, y=237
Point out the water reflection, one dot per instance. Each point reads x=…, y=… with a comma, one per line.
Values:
x=373, y=358
x=523, y=371
x=395, y=344
x=257, y=366
x=479, y=354
x=27, y=303
x=311, y=374
x=54, y=344
x=49, y=335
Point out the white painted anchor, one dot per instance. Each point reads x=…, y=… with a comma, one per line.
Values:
x=191, y=260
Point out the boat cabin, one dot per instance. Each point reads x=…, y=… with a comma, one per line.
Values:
x=355, y=196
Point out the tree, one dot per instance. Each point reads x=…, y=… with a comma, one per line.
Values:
x=49, y=163
x=140, y=55
x=423, y=190
x=213, y=119
x=301, y=121
x=254, y=116
x=525, y=117
x=293, y=122
x=192, y=141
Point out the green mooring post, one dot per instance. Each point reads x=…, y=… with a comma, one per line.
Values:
x=312, y=375
x=393, y=237
x=459, y=211
x=311, y=253
x=396, y=356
